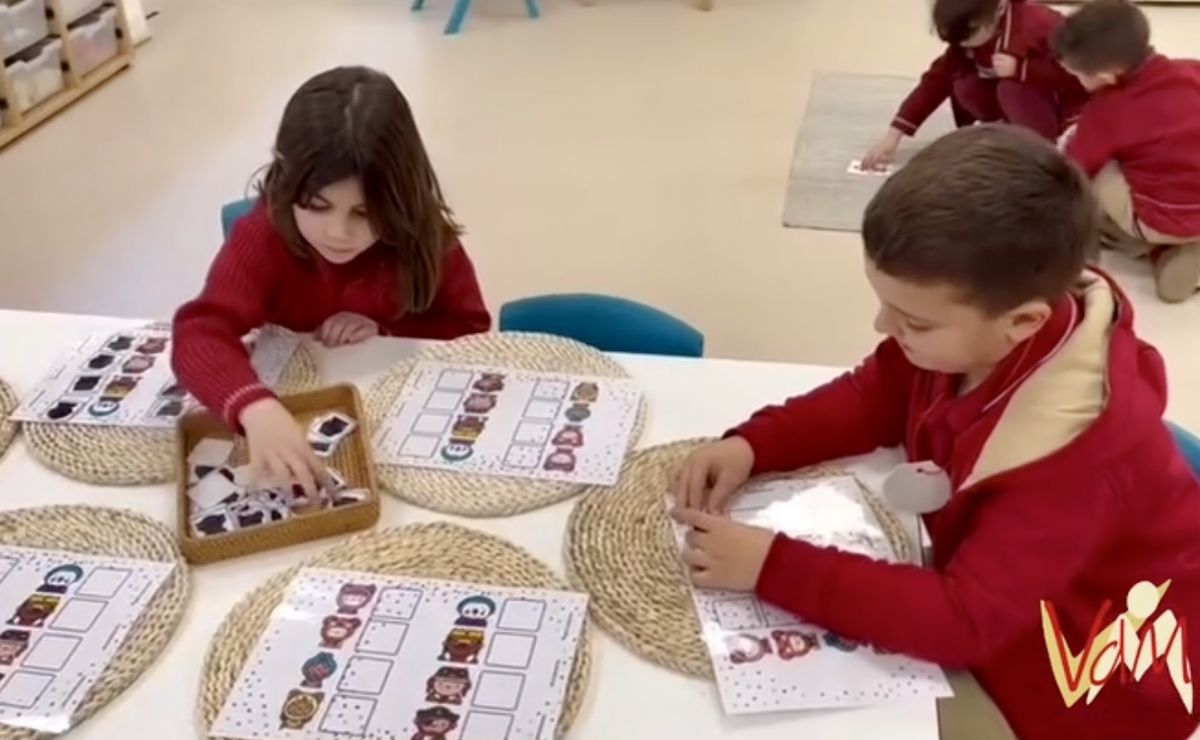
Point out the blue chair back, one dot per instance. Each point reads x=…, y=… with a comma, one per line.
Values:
x=608, y=323
x=231, y=212
x=1189, y=445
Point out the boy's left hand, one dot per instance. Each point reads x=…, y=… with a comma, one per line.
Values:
x=722, y=553
x=346, y=328
x=1005, y=65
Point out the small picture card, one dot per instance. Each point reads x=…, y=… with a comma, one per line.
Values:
x=856, y=168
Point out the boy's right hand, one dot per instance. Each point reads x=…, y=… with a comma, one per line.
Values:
x=712, y=475
x=884, y=152
x=279, y=451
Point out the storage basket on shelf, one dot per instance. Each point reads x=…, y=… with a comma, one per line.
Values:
x=22, y=24
x=36, y=74
x=93, y=40
x=73, y=10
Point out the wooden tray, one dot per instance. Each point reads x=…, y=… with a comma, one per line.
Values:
x=352, y=460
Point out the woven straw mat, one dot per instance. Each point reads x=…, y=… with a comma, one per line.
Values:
x=8, y=404
x=620, y=549
x=114, y=533
x=441, y=551
x=480, y=495
x=130, y=456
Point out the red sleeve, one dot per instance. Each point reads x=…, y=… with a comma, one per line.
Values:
x=1027, y=544
x=1094, y=143
x=935, y=86
x=457, y=309
x=208, y=355
x=863, y=410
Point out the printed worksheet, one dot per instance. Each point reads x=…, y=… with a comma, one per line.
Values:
x=368, y=656
x=499, y=421
x=66, y=616
x=765, y=658
x=125, y=379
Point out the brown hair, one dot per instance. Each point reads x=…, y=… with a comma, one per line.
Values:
x=957, y=20
x=1104, y=36
x=355, y=122
x=994, y=210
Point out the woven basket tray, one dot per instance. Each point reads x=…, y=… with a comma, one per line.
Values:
x=114, y=533
x=8, y=429
x=130, y=456
x=620, y=549
x=478, y=495
x=441, y=551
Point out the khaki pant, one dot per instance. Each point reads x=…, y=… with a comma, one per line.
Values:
x=970, y=714
x=1135, y=238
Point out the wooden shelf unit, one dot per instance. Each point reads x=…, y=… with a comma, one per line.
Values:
x=17, y=123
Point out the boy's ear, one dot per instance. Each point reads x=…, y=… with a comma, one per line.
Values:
x=1025, y=320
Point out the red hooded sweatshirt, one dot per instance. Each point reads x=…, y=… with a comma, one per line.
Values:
x=1066, y=486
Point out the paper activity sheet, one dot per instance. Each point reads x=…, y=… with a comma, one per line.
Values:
x=360, y=655
x=125, y=379
x=765, y=658
x=66, y=616
x=500, y=421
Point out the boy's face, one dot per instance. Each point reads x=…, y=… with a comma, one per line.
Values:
x=1091, y=82
x=940, y=333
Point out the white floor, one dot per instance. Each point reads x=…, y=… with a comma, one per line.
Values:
x=636, y=146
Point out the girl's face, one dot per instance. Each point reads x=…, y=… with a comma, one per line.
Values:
x=334, y=221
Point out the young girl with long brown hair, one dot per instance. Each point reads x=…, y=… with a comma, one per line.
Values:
x=351, y=238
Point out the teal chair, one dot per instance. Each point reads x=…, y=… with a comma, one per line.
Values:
x=1189, y=445
x=459, y=13
x=608, y=323
x=231, y=212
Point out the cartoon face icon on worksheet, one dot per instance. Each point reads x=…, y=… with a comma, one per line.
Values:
x=457, y=451
x=138, y=364
x=64, y=409
x=57, y=581
x=316, y=669
x=479, y=403
x=120, y=386
x=561, y=460
x=34, y=611
x=448, y=686
x=100, y=361
x=462, y=645
x=746, y=648
x=467, y=428
x=152, y=346
x=434, y=723
x=120, y=343
x=354, y=596
x=838, y=642
x=299, y=708
x=104, y=407
x=489, y=383
x=577, y=412
x=12, y=644
x=336, y=630
x=586, y=392
x=474, y=611
x=792, y=644
x=569, y=436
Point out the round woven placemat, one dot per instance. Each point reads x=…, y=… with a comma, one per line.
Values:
x=113, y=533
x=8, y=429
x=130, y=456
x=620, y=549
x=480, y=495
x=443, y=551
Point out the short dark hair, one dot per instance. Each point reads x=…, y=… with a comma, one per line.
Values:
x=957, y=20
x=1104, y=36
x=994, y=210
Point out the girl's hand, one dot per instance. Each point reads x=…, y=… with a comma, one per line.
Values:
x=712, y=475
x=883, y=153
x=722, y=553
x=279, y=451
x=1004, y=64
x=346, y=328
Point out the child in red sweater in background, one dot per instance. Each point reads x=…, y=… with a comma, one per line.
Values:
x=1017, y=378
x=1139, y=139
x=351, y=238
x=998, y=66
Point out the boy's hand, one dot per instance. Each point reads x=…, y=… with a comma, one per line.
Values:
x=279, y=451
x=346, y=328
x=722, y=553
x=883, y=153
x=1005, y=65
x=712, y=474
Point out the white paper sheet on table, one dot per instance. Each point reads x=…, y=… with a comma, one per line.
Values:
x=767, y=660
x=503, y=421
x=351, y=654
x=125, y=379
x=67, y=615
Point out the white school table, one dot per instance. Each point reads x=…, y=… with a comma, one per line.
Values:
x=627, y=697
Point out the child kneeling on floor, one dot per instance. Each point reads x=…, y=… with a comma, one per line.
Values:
x=998, y=66
x=1017, y=378
x=1139, y=139
x=351, y=238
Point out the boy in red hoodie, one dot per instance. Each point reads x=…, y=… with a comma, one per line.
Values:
x=1016, y=377
x=1139, y=138
x=998, y=66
